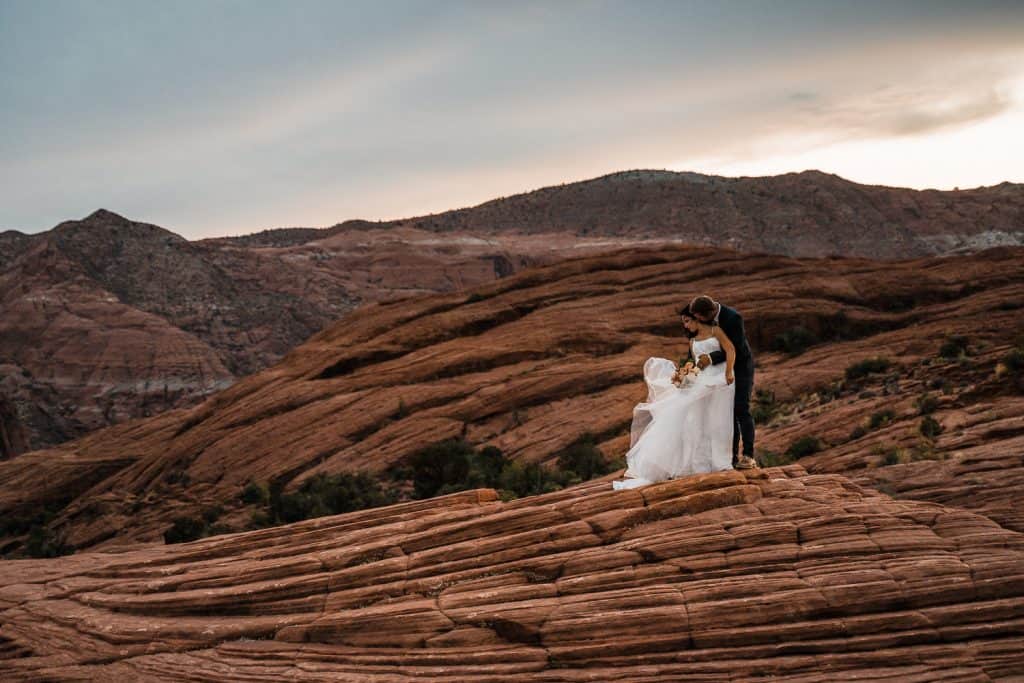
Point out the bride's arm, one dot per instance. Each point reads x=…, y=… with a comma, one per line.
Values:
x=730, y=353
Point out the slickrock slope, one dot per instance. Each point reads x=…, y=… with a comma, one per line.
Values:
x=112, y=289
x=107, y=319
x=533, y=361
x=770, y=574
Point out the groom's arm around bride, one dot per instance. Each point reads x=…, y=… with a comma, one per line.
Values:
x=731, y=322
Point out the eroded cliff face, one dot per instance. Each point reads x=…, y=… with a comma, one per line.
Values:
x=728, y=576
x=531, y=362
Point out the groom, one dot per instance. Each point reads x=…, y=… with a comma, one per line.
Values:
x=707, y=310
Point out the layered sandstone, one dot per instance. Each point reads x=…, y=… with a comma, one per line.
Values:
x=533, y=361
x=145, y=320
x=729, y=576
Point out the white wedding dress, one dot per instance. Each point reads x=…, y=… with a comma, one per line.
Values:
x=681, y=430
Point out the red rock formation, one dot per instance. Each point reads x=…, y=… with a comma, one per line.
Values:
x=232, y=306
x=531, y=362
x=730, y=576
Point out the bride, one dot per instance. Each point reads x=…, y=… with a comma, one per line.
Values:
x=686, y=424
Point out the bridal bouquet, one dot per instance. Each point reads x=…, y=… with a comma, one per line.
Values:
x=686, y=374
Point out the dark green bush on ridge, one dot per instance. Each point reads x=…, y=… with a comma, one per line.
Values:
x=867, y=367
x=954, y=347
x=804, y=446
x=327, y=494
x=930, y=427
x=795, y=340
x=881, y=419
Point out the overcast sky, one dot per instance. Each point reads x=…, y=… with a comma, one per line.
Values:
x=219, y=117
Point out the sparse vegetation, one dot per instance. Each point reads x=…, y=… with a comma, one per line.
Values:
x=186, y=528
x=773, y=459
x=327, y=494
x=930, y=427
x=764, y=408
x=858, y=432
x=795, y=340
x=454, y=465
x=868, y=366
x=804, y=446
x=926, y=404
x=954, y=347
x=890, y=455
x=881, y=419
x=255, y=494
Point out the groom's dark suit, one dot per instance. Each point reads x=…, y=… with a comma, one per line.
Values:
x=731, y=323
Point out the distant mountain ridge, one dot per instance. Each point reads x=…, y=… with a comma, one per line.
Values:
x=795, y=214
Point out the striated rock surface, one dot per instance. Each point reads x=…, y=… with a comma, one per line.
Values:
x=533, y=361
x=112, y=289
x=734, y=576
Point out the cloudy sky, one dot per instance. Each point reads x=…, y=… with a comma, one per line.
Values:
x=220, y=117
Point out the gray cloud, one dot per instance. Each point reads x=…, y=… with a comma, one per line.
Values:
x=226, y=116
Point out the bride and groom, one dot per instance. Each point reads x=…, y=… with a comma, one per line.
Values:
x=695, y=415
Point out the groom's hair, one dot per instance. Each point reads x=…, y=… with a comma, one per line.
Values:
x=703, y=306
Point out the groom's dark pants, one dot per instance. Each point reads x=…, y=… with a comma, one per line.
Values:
x=744, y=426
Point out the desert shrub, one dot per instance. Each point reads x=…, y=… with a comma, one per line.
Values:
x=764, y=408
x=255, y=494
x=584, y=459
x=881, y=419
x=185, y=529
x=441, y=464
x=773, y=459
x=453, y=465
x=1014, y=361
x=889, y=455
x=858, y=432
x=930, y=427
x=330, y=494
x=954, y=346
x=45, y=542
x=829, y=393
x=926, y=404
x=795, y=340
x=867, y=367
x=804, y=446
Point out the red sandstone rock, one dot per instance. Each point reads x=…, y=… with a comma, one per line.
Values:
x=107, y=319
x=812, y=577
x=530, y=363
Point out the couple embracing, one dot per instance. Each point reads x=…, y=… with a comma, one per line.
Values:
x=696, y=415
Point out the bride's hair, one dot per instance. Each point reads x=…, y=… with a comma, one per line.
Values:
x=685, y=310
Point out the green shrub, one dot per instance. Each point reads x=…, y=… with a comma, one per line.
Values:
x=773, y=459
x=439, y=464
x=954, y=347
x=926, y=404
x=804, y=446
x=858, y=432
x=331, y=494
x=795, y=340
x=1014, y=361
x=867, y=367
x=185, y=529
x=930, y=427
x=255, y=494
x=764, y=408
x=881, y=419
x=584, y=459
x=44, y=542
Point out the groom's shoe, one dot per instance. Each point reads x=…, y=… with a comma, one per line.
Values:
x=745, y=462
